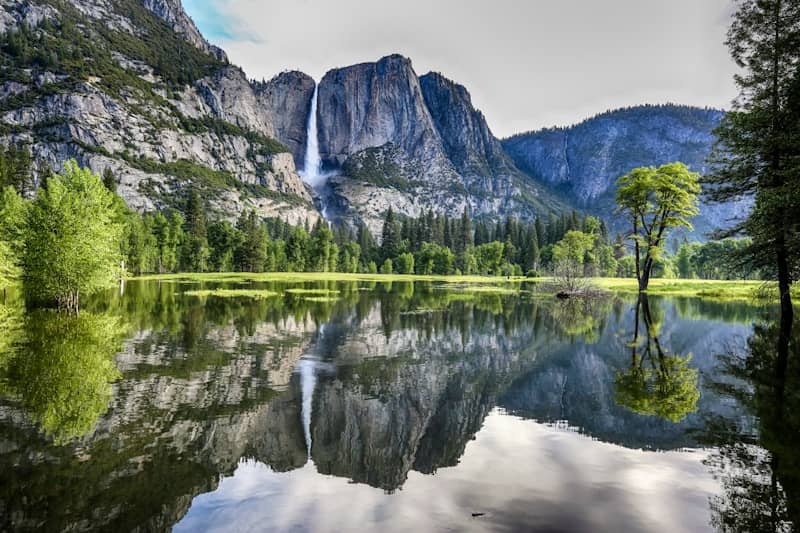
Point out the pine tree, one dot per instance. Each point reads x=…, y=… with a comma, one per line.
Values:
x=759, y=140
x=390, y=241
x=195, y=250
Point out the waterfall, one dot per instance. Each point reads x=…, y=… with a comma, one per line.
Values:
x=308, y=382
x=312, y=166
x=312, y=171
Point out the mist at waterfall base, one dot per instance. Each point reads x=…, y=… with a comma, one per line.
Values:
x=312, y=172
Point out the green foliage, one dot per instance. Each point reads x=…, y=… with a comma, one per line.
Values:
x=759, y=140
x=656, y=200
x=405, y=263
x=72, y=239
x=15, y=169
x=386, y=267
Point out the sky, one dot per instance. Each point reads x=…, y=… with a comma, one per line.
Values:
x=528, y=64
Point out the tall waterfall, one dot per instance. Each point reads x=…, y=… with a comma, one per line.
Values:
x=312, y=171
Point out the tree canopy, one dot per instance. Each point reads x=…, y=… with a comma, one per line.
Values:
x=656, y=200
x=71, y=239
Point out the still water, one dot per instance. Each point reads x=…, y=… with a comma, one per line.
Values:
x=364, y=406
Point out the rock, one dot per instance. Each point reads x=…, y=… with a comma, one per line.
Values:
x=585, y=160
x=287, y=97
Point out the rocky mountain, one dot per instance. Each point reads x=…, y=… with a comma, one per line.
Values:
x=131, y=85
x=584, y=161
x=393, y=138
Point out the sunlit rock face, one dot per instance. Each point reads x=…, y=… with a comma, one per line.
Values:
x=415, y=143
x=212, y=129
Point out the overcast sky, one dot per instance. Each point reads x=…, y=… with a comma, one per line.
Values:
x=527, y=63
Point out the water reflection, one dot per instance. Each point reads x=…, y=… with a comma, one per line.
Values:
x=380, y=385
x=757, y=455
x=656, y=383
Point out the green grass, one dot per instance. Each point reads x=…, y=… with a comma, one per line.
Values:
x=233, y=293
x=716, y=289
x=711, y=289
x=302, y=277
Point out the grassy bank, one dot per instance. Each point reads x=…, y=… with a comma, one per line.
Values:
x=745, y=290
x=302, y=277
x=717, y=289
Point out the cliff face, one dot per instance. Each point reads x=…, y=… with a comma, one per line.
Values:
x=287, y=97
x=584, y=161
x=151, y=100
x=396, y=139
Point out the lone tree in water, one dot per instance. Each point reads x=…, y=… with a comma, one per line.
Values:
x=656, y=200
x=72, y=240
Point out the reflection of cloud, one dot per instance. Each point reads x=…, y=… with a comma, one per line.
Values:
x=523, y=475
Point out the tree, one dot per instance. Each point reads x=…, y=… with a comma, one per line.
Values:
x=109, y=180
x=250, y=253
x=405, y=263
x=12, y=234
x=15, y=169
x=195, y=252
x=656, y=200
x=386, y=267
x=759, y=140
x=390, y=241
x=72, y=240
x=223, y=239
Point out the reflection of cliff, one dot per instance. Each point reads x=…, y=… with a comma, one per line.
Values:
x=178, y=419
x=417, y=405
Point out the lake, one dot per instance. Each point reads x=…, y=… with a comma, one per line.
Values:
x=370, y=406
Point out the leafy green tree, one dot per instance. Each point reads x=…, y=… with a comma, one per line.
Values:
x=386, y=267
x=405, y=263
x=72, y=240
x=489, y=257
x=607, y=262
x=656, y=200
x=169, y=237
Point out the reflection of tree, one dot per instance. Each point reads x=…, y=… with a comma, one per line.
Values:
x=758, y=463
x=63, y=369
x=657, y=383
x=580, y=318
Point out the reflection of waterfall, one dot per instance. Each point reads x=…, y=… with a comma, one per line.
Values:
x=308, y=381
x=312, y=166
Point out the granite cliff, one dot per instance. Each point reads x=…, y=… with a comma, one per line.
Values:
x=584, y=161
